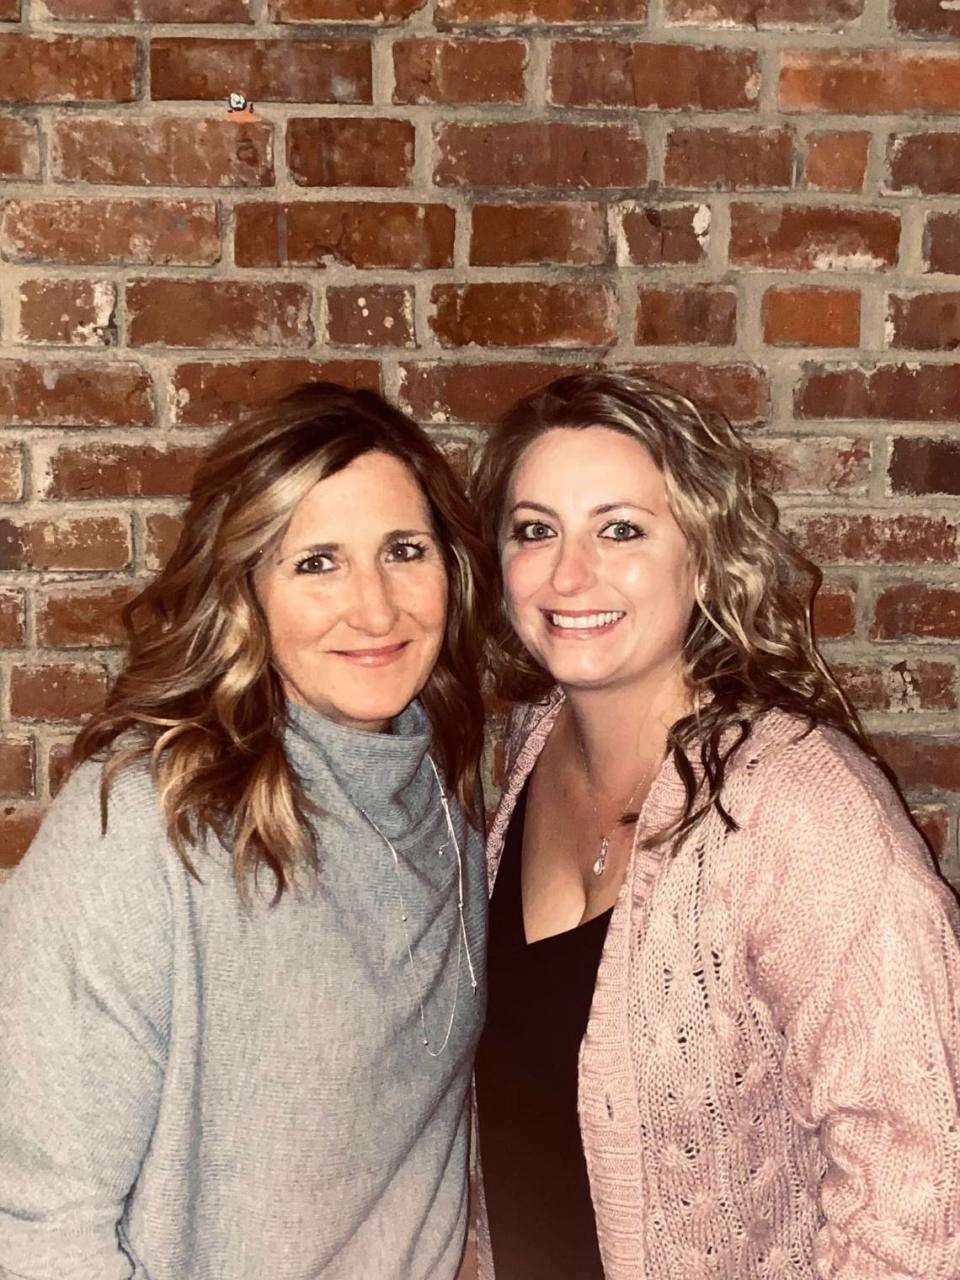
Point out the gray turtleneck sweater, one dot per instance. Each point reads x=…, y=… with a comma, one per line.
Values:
x=192, y=1090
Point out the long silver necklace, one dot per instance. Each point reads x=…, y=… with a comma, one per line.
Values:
x=599, y=864
x=463, y=944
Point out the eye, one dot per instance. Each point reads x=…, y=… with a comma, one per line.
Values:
x=407, y=552
x=315, y=562
x=622, y=531
x=532, y=531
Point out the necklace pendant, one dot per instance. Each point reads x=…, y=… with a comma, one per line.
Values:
x=600, y=862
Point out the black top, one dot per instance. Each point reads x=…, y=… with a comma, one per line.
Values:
x=535, y=1177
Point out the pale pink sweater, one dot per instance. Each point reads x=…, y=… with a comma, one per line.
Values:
x=768, y=1084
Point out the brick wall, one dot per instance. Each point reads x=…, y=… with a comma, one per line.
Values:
x=452, y=200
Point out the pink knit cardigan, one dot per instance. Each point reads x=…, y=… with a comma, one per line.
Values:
x=768, y=1083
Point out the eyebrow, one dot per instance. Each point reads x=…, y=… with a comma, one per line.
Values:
x=602, y=510
x=325, y=548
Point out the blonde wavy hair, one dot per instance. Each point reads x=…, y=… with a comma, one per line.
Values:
x=199, y=698
x=750, y=645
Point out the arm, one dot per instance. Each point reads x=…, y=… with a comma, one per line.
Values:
x=84, y=946
x=854, y=948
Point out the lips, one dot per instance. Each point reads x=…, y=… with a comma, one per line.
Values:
x=372, y=657
x=582, y=622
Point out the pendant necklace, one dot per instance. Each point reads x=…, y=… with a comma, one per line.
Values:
x=463, y=946
x=599, y=864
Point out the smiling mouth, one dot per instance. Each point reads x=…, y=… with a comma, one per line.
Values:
x=600, y=621
x=372, y=657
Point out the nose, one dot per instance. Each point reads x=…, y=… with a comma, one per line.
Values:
x=372, y=608
x=573, y=569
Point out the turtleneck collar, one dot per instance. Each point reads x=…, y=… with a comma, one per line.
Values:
x=387, y=774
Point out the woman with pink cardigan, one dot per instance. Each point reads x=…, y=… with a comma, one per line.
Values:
x=723, y=1034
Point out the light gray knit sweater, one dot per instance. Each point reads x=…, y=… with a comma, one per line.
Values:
x=194, y=1091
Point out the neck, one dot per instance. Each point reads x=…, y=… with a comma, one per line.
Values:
x=622, y=731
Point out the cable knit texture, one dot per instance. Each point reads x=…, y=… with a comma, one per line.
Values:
x=768, y=1083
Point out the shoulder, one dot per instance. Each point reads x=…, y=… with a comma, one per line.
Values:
x=75, y=856
x=814, y=796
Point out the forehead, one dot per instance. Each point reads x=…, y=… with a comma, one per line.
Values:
x=592, y=462
x=375, y=491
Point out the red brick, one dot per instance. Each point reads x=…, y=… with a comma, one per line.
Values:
x=818, y=464
x=917, y=611
x=56, y=691
x=162, y=535
x=928, y=163
x=812, y=317
x=441, y=393
x=12, y=619
x=532, y=153
x=9, y=10
x=218, y=313
x=925, y=321
x=910, y=393
x=763, y=13
x=19, y=823
x=121, y=471
x=811, y=238
x=837, y=161
x=570, y=233
x=164, y=152
x=698, y=315
x=919, y=466
x=834, y=611
x=338, y=152
x=914, y=685
x=922, y=761
x=16, y=767
x=729, y=159
x=932, y=822
x=76, y=619
x=398, y=235
x=150, y=10
x=55, y=394
x=926, y=18
x=672, y=77
x=19, y=148
x=524, y=315
x=459, y=70
x=11, y=473
x=536, y=11
x=859, y=81
x=64, y=68
x=137, y=232
x=343, y=10
x=207, y=394
x=97, y=542
x=841, y=538
x=58, y=764
x=739, y=391
x=370, y=316
x=75, y=312
x=667, y=234
x=941, y=243
x=283, y=70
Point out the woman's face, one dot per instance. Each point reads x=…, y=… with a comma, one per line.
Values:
x=597, y=575
x=356, y=595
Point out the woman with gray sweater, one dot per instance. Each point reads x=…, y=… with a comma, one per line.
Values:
x=241, y=966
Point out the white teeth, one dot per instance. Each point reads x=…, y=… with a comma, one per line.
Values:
x=584, y=623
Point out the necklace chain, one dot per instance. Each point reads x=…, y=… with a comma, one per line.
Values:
x=463, y=944
x=599, y=864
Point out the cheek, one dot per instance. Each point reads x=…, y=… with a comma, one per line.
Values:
x=427, y=600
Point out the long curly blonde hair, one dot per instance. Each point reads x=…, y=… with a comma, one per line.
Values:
x=199, y=697
x=750, y=645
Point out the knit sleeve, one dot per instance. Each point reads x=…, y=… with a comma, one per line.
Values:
x=854, y=947
x=84, y=1009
